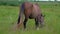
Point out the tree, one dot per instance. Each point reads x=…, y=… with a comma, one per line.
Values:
x=55, y=0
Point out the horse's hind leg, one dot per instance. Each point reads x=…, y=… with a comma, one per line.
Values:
x=36, y=23
x=24, y=23
x=18, y=20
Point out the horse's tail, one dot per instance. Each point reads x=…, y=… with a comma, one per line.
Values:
x=20, y=20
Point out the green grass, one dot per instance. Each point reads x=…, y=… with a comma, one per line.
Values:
x=9, y=16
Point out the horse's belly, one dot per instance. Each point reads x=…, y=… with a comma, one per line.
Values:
x=33, y=15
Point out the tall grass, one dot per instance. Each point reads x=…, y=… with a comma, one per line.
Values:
x=9, y=16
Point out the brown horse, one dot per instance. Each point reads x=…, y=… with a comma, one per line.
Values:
x=31, y=11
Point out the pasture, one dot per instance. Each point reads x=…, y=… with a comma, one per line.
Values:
x=9, y=16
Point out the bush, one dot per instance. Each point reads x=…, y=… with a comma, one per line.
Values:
x=3, y=3
x=10, y=3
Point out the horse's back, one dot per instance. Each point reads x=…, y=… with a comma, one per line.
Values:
x=27, y=5
x=31, y=10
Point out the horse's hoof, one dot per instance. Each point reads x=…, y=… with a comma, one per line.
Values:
x=24, y=29
x=37, y=28
x=42, y=26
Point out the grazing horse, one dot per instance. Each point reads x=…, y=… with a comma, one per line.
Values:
x=31, y=11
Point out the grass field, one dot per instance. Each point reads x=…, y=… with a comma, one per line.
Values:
x=9, y=15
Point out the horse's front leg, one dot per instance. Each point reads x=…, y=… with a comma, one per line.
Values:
x=36, y=23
